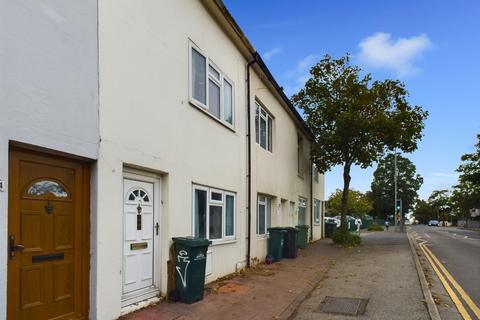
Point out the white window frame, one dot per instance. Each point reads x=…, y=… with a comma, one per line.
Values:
x=217, y=203
x=220, y=82
x=302, y=203
x=317, y=207
x=266, y=117
x=316, y=175
x=268, y=211
x=300, y=158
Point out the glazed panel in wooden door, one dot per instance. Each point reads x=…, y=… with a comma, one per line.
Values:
x=45, y=238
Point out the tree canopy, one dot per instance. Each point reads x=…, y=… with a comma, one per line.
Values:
x=356, y=120
x=358, y=203
x=440, y=201
x=423, y=211
x=466, y=194
x=383, y=189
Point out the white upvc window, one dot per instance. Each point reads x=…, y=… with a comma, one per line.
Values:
x=264, y=214
x=263, y=127
x=214, y=212
x=210, y=89
x=317, y=207
x=302, y=211
x=316, y=174
x=300, y=159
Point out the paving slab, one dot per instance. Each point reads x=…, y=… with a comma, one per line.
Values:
x=381, y=270
x=270, y=292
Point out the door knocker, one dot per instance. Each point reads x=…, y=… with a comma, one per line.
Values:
x=49, y=207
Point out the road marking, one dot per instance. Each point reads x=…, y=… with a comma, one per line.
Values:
x=457, y=286
x=451, y=293
x=426, y=234
x=466, y=237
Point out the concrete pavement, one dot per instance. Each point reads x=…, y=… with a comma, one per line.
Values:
x=269, y=292
x=382, y=270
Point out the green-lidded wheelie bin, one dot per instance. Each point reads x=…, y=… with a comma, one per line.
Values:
x=302, y=236
x=190, y=262
x=330, y=228
x=290, y=247
x=276, y=241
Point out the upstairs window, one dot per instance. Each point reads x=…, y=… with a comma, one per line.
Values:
x=263, y=127
x=300, y=161
x=210, y=89
x=316, y=174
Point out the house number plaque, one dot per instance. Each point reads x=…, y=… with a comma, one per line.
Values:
x=138, y=246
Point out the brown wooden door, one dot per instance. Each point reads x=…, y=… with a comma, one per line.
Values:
x=48, y=216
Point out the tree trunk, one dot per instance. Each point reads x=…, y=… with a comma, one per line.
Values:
x=346, y=186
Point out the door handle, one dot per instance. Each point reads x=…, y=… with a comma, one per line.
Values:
x=156, y=228
x=14, y=247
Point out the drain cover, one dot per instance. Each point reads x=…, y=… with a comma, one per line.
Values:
x=348, y=306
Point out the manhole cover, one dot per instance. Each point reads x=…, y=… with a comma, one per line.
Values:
x=348, y=306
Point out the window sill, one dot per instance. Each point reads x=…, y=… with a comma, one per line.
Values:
x=222, y=242
x=300, y=176
x=204, y=111
x=262, y=236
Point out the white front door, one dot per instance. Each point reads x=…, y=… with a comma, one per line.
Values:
x=138, y=244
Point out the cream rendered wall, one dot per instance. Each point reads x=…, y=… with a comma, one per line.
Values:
x=146, y=120
x=276, y=173
x=48, y=86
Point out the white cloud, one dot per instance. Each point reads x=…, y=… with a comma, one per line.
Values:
x=381, y=51
x=270, y=53
x=300, y=74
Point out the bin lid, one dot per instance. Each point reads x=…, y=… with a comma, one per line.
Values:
x=276, y=229
x=303, y=226
x=192, y=241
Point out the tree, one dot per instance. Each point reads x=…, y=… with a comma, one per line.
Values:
x=383, y=186
x=470, y=168
x=440, y=202
x=354, y=120
x=358, y=203
x=423, y=211
x=466, y=194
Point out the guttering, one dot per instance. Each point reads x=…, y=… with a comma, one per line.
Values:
x=249, y=165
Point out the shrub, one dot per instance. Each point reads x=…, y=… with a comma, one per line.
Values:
x=375, y=227
x=346, y=238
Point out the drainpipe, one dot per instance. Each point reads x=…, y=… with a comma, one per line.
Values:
x=249, y=165
x=311, y=194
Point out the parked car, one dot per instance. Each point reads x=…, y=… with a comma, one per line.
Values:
x=433, y=223
x=445, y=223
x=334, y=220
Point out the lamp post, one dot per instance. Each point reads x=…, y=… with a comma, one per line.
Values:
x=395, y=184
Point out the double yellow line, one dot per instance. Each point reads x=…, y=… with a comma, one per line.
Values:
x=444, y=275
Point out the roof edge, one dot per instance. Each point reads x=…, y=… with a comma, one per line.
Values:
x=257, y=57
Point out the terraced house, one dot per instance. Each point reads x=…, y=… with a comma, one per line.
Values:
x=131, y=126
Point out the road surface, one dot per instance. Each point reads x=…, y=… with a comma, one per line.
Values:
x=459, y=252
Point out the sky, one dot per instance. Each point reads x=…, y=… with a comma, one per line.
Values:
x=432, y=46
